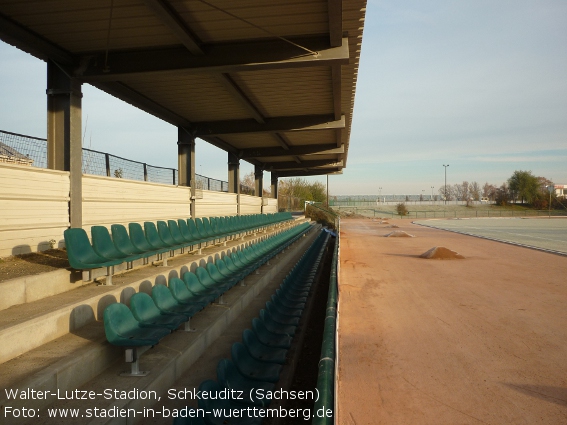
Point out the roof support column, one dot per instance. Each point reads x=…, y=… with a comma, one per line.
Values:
x=274, y=188
x=186, y=163
x=259, y=183
x=234, y=178
x=64, y=134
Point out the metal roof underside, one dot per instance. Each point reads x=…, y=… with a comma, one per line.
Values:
x=270, y=81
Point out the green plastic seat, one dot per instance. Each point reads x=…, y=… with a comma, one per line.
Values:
x=218, y=277
x=103, y=246
x=166, y=237
x=124, y=244
x=148, y=315
x=181, y=294
x=80, y=252
x=153, y=238
x=262, y=352
x=279, y=317
x=176, y=233
x=274, y=309
x=184, y=229
x=138, y=239
x=123, y=329
x=194, y=231
x=274, y=326
x=229, y=377
x=252, y=368
x=208, y=282
x=204, y=295
x=223, y=268
x=166, y=303
x=202, y=230
x=284, y=302
x=269, y=338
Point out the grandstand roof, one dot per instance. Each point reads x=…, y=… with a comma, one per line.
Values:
x=272, y=82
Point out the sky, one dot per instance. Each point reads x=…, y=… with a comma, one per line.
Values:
x=479, y=85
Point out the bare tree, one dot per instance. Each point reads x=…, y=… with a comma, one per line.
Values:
x=474, y=189
x=247, y=184
x=446, y=192
x=489, y=191
x=458, y=191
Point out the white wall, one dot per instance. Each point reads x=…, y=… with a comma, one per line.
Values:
x=34, y=205
x=108, y=200
x=34, y=208
x=250, y=204
x=272, y=206
x=214, y=204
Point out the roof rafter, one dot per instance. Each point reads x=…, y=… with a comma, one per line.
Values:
x=219, y=58
x=272, y=125
x=292, y=165
x=293, y=150
x=22, y=38
x=163, y=10
x=310, y=172
x=335, y=8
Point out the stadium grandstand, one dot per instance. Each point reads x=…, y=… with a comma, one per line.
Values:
x=173, y=285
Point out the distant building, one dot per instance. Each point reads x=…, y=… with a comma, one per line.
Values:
x=12, y=156
x=561, y=190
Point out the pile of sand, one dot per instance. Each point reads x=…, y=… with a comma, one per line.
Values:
x=393, y=226
x=399, y=234
x=441, y=253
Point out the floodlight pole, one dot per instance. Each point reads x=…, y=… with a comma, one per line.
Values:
x=432, y=187
x=549, y=189
x=445, y=182
x=327, y=191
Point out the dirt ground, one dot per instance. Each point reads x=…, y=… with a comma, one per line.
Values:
x=33, y=263
x=482, y=340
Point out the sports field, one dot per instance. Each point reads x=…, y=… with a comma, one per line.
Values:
x=541, y=233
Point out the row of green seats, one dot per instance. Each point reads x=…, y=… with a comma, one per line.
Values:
x=141, y=243
x=257, y=361
x=151, y=318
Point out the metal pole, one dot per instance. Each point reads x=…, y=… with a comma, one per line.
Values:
x=445, y=182
x=327, y=191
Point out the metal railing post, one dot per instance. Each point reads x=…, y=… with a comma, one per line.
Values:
x=107, y=160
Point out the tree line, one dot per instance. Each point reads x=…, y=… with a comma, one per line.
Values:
x=522, y=186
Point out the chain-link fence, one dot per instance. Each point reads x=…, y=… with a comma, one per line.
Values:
x=105, y=164
x=26, y=150
x=289, y=203
x=23, y=150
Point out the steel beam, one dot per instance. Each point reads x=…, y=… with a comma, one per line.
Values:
x=218, y=58
x=169, y=16
x=134, y=98
x=13, y=33
x=310, y=172
x=293, y=150
x=272, y=125
x=335, y=8
x=292, y=165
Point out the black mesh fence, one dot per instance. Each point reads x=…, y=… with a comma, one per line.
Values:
x=26, y=150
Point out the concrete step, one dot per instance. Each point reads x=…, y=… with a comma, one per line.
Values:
x=84, y=359
x=31, y=325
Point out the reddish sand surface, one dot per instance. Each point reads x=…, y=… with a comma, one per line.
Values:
x=476, y=341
